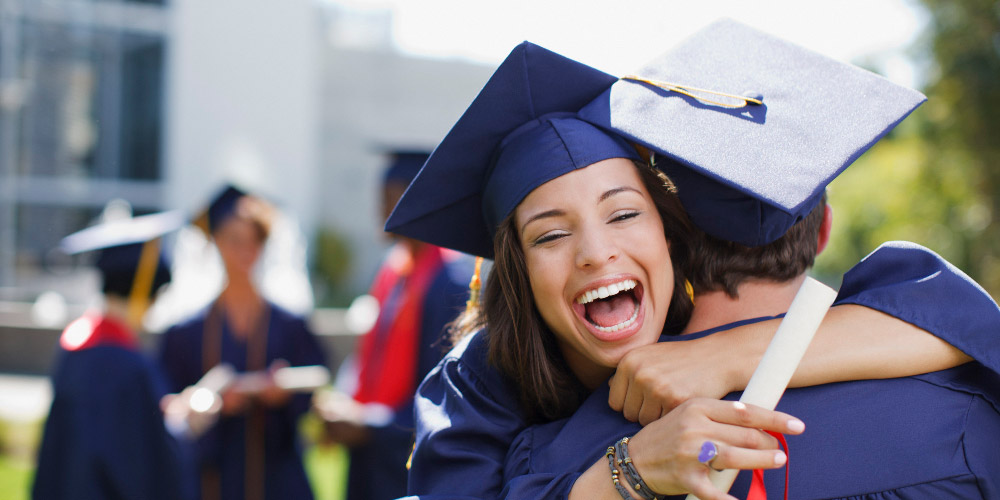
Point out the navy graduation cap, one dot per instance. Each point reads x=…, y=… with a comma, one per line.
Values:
x=223, y=204
x=520, y=132
x=127, y=255
x=404, y=165
x=753, y=127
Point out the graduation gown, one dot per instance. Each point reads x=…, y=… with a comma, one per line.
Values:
x=378, y=469
x=104, y=438
x=258, y=454
x=468, y=416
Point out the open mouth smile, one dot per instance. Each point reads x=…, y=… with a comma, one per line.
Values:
x=611, y=308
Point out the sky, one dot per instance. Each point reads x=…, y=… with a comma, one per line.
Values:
x=619, y=37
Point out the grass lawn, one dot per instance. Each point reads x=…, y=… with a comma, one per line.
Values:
x=15, y=479
x=325, y=465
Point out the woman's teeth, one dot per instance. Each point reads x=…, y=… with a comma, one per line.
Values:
x=605, y=292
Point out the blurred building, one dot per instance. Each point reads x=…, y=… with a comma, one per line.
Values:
x=81, y=119
x=158, y=101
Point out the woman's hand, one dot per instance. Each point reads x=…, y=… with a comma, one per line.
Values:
x=652, y=380
x=665, y=452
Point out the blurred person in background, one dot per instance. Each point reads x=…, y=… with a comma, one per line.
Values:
x=420, y=288
x=253, y=451
x=105, y=436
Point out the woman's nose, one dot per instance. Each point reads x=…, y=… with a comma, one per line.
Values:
x=596, y=249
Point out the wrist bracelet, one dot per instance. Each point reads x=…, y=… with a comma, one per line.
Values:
x=614, y=475
x=631, y=474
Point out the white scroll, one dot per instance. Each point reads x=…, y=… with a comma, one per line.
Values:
x=782, y=357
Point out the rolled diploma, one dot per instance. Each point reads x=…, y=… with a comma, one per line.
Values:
x=782, y=357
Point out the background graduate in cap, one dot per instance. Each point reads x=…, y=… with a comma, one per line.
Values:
x=105, y=435
x=517, y=138
x=755, y=187
x=420, y=289
x=253, y=451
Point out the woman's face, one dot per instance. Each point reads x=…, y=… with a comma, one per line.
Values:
x=598, y=263
x=239, y=245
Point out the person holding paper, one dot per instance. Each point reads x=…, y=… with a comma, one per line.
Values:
x=746, y=182
x=550, y=337
x=105, y=435
x=253, y=451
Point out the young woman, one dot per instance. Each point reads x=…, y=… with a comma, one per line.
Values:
x=253, y=451
x=562, y=204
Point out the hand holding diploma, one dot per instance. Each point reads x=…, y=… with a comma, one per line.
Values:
x=223, y=390
x=782, y=357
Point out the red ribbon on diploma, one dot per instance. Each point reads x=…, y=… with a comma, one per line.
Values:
x=757, y=490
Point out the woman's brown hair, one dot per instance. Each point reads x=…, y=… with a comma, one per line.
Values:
x=523, y=348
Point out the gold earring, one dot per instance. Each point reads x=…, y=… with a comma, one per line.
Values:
x=689, y=289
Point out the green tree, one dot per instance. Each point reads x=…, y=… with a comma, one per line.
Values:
x=936, y=179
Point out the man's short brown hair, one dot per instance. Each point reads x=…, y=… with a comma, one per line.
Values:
x=723, y=265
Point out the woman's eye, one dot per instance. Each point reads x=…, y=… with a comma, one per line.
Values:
x=623, y=216
x=547, y=238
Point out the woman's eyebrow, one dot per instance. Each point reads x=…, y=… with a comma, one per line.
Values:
x=611, y=192
x=555, y=212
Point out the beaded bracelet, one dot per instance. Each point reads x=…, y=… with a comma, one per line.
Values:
x=614, y=475
x=631, y=474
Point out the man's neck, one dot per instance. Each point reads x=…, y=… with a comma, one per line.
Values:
x=756, y=299
x=116, y=308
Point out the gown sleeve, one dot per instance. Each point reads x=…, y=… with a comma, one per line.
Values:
x=141, y=459
x=179, y=355
x=303, y=349
x=467, y=416
x=916, y=285
x=521, y=483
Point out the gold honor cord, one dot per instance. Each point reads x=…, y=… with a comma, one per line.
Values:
x=138, y=300
x=690, y=92
x=474, y=286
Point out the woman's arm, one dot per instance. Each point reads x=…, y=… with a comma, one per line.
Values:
x=466, y=419
x=899, y=280
x=853, y=343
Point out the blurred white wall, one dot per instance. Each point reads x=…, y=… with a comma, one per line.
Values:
x=286, y=97
x=243, y=101
x=376, y=100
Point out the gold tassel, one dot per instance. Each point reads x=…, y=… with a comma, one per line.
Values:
x=693, y=92
x=142, y=283
x=474, y=286
x=689, y=289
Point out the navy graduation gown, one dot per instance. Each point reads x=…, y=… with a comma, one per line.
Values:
x=104, y=438
x=223, y=449
x=378, y=468
x=468, y=416
x=928, y=437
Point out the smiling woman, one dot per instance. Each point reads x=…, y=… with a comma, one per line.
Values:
x=588, y=243
x=596, y=243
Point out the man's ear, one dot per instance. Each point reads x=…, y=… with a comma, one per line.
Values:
x=824, y=229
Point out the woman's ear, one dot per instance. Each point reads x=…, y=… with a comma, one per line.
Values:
x=824, y=229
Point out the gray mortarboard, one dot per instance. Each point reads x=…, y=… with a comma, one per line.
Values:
x=746, y=172
x=520, y=132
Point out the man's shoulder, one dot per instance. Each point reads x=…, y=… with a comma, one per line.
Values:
x=865, y=425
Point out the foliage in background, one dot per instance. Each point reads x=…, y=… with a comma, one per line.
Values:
x=333, y=263
x=936, y=179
